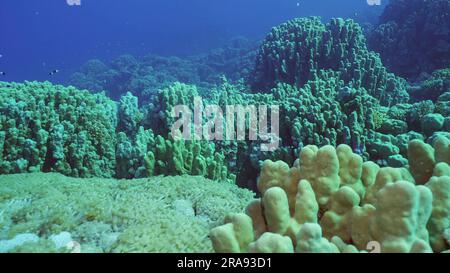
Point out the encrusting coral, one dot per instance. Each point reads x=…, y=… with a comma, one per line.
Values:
x=159, y=214
x=332, y=201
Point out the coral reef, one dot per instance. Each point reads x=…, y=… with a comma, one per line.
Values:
x=54, y=128
x=144, y=76
x=413, y=36
x=325, y=111
x=363, y=161
x=432, y=87
x=234, y=60
x=332, y=105
x=43, y=212
x=330, y=88
x=149, y=155
x=295, y=51
x=332, y=201
x=50, y=128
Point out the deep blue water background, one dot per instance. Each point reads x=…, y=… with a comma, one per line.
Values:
x=38, y=36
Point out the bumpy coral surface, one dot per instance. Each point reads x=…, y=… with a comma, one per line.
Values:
x=51, y=128
x=45, y=127
x=324, y=111
x=172, y=214
x=295, y=51
x=332, y=201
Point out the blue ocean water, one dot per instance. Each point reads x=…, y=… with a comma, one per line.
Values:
x=40, y=36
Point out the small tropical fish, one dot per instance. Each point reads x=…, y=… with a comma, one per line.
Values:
x=53, y=72
x=2, y=73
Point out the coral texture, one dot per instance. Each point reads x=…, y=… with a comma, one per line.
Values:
x=50, y=128
x=54, y=128
x=172, y=214
x=295, y=51
x=332, y=201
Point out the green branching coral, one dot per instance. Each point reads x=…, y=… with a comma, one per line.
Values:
x=141, y=152
x=129, y=114
x=325, y=111
x=131, y=152
x=296, y=51
x=45, y=127
x=172, y=214
x=149, y=155
x=158, y=113
x=177, y=157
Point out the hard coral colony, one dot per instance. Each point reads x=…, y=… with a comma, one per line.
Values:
x=363, y=162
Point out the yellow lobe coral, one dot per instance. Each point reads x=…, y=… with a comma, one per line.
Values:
x=320, y=167
x=401, y=211
x=272, y=243
x=440, y=217
x=234, y=236
x=350, y=169
x=330, y=201
x=421, y=161
x=336, y=221
x=273, y=174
